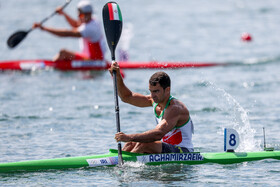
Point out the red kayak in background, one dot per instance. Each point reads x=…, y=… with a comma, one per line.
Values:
x=85, y=65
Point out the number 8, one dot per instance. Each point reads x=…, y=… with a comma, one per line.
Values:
x=232, y=140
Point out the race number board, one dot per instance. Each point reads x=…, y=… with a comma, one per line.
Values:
x=231, y=140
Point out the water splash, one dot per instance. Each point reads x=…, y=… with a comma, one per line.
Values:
x=239, y=121
x=129, y=171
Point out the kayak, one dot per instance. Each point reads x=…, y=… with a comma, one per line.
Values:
x=111, y=159
x=25, y=65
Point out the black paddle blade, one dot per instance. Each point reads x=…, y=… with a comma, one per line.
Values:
x=16, y=38
x=112, y=20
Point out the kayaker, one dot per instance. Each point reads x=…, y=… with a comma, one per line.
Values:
x=87, y=27
x=173, y=133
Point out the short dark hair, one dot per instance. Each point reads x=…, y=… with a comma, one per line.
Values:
x=160, y=77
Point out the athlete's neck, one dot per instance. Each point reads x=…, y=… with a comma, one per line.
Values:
x=162, y=104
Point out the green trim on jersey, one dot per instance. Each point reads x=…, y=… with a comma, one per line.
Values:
x=167, y=104
x=183, y=124
x=162, y=113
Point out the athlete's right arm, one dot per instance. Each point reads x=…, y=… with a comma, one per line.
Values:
x=74, y=23
x=126, y=94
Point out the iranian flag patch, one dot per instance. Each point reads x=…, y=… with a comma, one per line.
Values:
x=114, y=12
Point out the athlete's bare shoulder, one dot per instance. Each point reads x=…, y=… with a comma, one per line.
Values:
x=175, y=104
x=178, y=108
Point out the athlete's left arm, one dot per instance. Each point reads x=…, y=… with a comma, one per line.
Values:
x=169, y=121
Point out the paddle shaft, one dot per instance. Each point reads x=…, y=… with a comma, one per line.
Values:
x=117, y=108
x=54, y=13
x=117, y=111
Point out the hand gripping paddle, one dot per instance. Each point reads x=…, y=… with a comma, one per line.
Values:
x=112, y=20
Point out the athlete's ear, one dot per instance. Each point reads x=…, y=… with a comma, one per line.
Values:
x=167, y=89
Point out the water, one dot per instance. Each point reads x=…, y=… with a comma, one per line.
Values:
x=52, y=114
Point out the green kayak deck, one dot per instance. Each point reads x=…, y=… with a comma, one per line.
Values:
x=111, y=159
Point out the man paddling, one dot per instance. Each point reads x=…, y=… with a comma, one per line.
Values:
x=87, y=27
x=173, y=133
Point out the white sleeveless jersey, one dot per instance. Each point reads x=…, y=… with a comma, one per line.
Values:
x=179, y=136
x=92, y=43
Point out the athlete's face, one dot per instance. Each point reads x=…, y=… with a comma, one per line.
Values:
x=81, y=16
x=158, y=93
